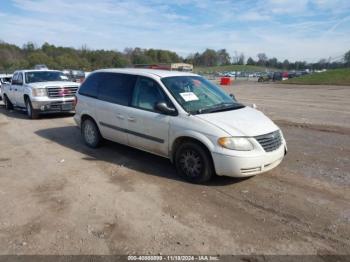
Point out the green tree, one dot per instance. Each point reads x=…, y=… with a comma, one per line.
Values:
x=286, y=64
x=209, y=58
x=262, y=59
x=250, y=61
x=223, y=58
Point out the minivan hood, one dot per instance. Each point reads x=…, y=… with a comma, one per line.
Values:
x=241, y=122
x=52, y=84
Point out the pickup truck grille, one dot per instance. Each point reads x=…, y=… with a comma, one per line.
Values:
x=270, y=141
x=66, y=91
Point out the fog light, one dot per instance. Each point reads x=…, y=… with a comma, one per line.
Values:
x=42, y=108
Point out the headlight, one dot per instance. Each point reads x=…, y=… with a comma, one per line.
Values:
x=39, y=91
x=236, y=143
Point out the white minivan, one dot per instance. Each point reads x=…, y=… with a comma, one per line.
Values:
x=180, y=116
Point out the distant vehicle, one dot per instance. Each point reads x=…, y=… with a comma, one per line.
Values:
x=168, y=66
x=277, y=76
x=40, y=91
x=41, y=67
x=292, y=75
x=4, y=80
x=285, y=76
x=180, y=116
x=265, y=77
x=74, y=75
x=229, y=74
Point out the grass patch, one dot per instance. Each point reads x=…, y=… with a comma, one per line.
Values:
x=242, y=68
x=331, y=77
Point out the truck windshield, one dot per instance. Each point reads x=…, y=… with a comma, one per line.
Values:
x=198, y=96
x=44, y=76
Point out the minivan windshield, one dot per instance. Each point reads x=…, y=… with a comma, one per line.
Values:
x=198, y=96
x=44, y=76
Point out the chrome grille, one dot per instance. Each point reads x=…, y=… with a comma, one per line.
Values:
x=270, y=141
x=66, y=91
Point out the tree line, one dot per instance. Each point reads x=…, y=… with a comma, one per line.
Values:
x=13, y=57
x=221, y=57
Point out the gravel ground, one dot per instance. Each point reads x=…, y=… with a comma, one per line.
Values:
x=59, y=197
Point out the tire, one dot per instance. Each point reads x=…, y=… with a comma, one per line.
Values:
x=8, y=104
x=193, y=163
x=91, y=134
x=31, y=113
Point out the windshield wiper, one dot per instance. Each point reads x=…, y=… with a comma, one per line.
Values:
x=220, y=107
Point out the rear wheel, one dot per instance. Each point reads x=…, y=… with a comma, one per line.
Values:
x=91, y=133
x=31, y=113
x=8, y=104
x=193, y=163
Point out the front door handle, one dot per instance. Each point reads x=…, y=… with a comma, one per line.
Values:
x=120, y=116
x=131, y=119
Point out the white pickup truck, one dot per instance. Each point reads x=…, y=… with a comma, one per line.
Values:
x=40, y=91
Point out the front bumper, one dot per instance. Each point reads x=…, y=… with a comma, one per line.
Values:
x=53, y=105
x=239, y=166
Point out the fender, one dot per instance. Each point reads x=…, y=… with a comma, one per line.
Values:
x=190, y=134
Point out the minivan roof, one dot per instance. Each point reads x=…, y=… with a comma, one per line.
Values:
x=146, y=72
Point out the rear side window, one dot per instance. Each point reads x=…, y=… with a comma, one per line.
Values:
x=116, y=88
x=90, y=86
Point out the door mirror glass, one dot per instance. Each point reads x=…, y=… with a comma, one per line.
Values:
x=163, y=108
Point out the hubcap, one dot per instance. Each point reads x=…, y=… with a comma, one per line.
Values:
x=89, y=133
x=191, y=163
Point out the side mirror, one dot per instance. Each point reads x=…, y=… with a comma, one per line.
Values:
x=233, y=97
x=163, y=108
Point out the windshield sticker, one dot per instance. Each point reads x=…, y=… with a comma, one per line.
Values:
x=189, y=96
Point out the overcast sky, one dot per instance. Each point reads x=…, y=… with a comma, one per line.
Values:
x=293, y=29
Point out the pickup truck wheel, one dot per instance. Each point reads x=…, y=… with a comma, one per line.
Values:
x=193, y=163
x=31, y=113
x=8, y=104
x=91, y=133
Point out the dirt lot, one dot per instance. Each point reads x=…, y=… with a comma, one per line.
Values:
x=59, y=197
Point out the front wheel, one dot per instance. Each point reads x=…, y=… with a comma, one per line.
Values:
x=91, y=133
x=193, y=163
x=31, y=113
x=8, y=104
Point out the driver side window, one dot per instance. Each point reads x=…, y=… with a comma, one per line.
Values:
x=20, y=79
x=14, y=79
x=147, y=94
